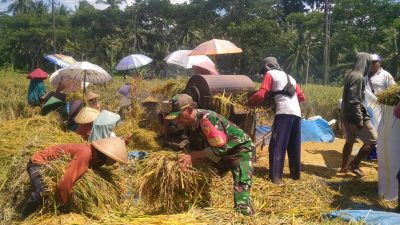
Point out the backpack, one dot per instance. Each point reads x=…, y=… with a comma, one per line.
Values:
x=289, y=90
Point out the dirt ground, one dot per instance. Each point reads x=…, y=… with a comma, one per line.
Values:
x=323, y=160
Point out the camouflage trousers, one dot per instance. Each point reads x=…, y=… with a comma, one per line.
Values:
x=242, y=172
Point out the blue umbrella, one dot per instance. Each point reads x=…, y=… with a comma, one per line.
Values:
x=133, y=61
x=60, y=60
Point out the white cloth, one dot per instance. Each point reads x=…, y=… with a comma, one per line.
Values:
x=381, y=80
x=373, y=108
x=388, y=154
x=284, y=104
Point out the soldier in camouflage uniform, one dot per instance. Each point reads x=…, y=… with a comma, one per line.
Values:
x=227, y=146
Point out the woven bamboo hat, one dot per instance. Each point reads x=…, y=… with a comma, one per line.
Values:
x=86, y=115
x=91, y=95
x=114, y=148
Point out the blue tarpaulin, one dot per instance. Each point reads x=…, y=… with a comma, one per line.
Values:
x=369, y=217
x=312, y=130
x=137, y=155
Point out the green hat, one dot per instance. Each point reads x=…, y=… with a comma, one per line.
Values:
x=178, y=103
x=52, y=104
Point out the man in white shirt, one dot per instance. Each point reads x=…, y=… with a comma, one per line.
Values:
x=286, y=129
x=377, y=80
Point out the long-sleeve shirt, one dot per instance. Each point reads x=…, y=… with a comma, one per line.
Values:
x=81, y=158
x=380, y=81
x=84, y=130
x=224, y=139
x=353, y=110
x=275, y=80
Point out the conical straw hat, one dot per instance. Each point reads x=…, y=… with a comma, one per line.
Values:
x=114, y=148
x=91, y=95
x=86, y=115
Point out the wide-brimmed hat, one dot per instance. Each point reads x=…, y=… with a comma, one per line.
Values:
x=86, y=115
x=52, y=104
x=114, y=148
x=178, y=103
x=90, y=95
x=149, y=102
x=125, y=102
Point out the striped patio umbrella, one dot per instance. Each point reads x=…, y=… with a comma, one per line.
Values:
x=60, y=60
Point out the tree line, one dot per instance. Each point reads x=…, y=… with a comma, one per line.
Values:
x=291, y=30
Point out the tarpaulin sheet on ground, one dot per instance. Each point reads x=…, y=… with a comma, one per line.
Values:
x=369, y=217
x=315, y=129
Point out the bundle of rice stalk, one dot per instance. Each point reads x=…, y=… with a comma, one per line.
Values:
x=222, y=104
x=171, y=87
x=163, y=186
x=238, y=102
x=95, y=191
x=390, y=96
x=142, y=139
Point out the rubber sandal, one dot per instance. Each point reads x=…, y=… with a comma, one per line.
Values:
x=357, y=171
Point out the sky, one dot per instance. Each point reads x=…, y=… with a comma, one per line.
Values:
x=72, y=3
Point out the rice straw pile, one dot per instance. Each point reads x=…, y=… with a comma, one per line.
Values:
x=163, y=186
x=306, y=199
x=94, y=192
x=142, y=139
x=390, y=96
x=18, y=140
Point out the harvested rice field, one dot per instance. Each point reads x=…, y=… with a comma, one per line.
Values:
x=154, y=190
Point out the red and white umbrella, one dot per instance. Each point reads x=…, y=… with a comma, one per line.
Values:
x=182, y=58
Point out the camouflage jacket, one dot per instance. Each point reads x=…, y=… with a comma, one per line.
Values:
x=224, y=139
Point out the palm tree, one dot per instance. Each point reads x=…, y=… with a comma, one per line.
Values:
x=40, y=7
x=300, y=58
x=112, y=3
x=63, y=10
x=390, y=51
x=20, y=6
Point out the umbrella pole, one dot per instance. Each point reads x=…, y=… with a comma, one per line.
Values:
x=84, y=85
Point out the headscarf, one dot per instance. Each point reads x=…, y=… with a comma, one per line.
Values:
x=103, y=125
x=269, y=63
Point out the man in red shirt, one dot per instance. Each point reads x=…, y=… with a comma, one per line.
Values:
x=83, y=156
x=286, y=130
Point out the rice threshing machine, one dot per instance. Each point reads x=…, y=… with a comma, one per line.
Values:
x=202, y=88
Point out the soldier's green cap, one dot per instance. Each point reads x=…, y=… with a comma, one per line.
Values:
x=178, y=103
